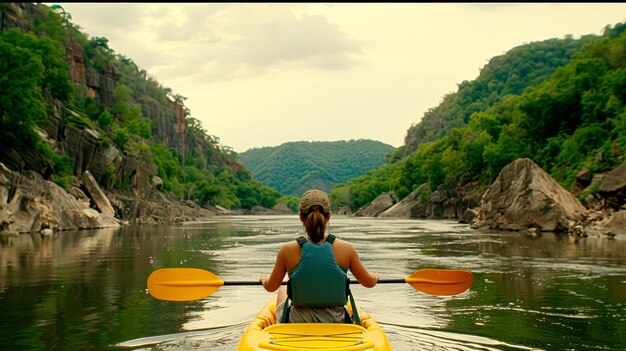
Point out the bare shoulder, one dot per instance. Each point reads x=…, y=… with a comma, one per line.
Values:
x=344, y=246
x=290, y=246
x=289, y=253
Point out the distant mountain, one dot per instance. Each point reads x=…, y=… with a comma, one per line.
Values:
x=294, y=167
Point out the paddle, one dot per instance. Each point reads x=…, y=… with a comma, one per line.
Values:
x=186, y=284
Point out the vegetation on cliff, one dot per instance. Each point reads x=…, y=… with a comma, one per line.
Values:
x=504, y=75
x=294, y=167
x=50, y=68
x=573, y=119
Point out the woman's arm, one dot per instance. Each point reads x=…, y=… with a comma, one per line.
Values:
x=359, y=271
x=272, y=283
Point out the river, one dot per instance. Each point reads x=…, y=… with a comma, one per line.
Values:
x=86, y=290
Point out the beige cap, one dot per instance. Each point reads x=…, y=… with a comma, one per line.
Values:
x=314, y=197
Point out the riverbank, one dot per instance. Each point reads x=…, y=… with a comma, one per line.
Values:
x=523, y=198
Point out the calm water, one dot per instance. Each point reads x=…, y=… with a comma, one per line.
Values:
x=87, y=290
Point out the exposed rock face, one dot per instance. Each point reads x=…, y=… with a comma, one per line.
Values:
x=592, y=201
x=611, y=225
x=82, y=147
x=409, y=207
x=75, y=58
x=524, y=196
x=451, y=200
x=100, y=200
x=155, y=208
x=29, y=203
x=613, y=187
x=377, y=206
x=17, y=15
x=26, y=158
x=468, y=216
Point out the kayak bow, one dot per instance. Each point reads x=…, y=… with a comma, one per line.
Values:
x=264, y=334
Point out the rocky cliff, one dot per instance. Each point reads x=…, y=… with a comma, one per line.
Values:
x=125, y=178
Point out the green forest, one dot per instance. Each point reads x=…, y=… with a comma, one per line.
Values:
x=34, y=78
x=560, y=102
x=294, y=167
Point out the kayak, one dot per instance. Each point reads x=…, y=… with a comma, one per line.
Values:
x=264, y=334
x=187, y=284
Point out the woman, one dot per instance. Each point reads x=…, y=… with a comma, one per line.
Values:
x=317, y=266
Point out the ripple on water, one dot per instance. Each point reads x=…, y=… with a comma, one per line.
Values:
x=218, y=339
x=544, y=289
x=408, y=337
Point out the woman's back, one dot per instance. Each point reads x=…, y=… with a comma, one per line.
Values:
x=337, y=259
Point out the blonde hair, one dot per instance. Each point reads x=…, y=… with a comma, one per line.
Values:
x=315, y=223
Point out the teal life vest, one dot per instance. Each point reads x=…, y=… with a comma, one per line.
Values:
x=318, y=280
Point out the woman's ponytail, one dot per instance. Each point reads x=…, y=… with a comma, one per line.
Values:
x=315, y=223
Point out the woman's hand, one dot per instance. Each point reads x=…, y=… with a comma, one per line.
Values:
x=374, y=278
x=263, y=280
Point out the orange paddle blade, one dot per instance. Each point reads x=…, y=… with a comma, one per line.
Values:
x=440, y=281
x=182, y=284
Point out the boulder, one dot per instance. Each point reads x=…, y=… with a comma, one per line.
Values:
x=411, y=206
x=157, y=183
x=525, y=196
x=468, y=216
x=96, y=195
x=584, y=177
x=29, y=203
x=611, y=225
x=378, y=205
x=613, y=187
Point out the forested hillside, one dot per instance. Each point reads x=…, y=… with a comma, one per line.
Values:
x=294, y=167
x=573, y=118
x=69, y=104
x=508, y=74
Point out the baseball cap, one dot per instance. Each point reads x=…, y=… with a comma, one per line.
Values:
x=314, y=197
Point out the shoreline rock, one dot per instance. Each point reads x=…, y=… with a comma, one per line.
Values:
x=31, y=204
x=525, y=196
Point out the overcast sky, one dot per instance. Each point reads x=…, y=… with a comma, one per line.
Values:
x=265, y=74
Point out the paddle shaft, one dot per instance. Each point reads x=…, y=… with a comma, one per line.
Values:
x=352, y=281
x=185, y=284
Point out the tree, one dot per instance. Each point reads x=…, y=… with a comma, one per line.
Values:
x=21, y=102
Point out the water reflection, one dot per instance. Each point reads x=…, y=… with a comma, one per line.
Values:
x=87, y=289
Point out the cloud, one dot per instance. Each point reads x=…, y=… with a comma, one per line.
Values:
x=118, y=18
x=221, y=42
x=349, y=70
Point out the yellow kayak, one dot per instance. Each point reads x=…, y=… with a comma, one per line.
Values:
x=264, y=334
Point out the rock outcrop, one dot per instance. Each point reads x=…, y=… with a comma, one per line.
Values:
x=450, y=200
x=29, y=203
x=380, y=204
x=525, y=196
x=98, y=197
x=610, y=225
x=613, y=187
x=412, y=206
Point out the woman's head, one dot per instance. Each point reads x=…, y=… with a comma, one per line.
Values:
x=315, y=213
